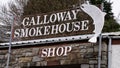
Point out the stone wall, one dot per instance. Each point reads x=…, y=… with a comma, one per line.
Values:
x=85, y=54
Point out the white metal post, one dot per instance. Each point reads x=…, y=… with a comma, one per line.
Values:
x=100, y=43
x=99, y=51
x=10, y=41
x=109, y=51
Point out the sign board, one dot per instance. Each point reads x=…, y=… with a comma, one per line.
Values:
x=69, y=22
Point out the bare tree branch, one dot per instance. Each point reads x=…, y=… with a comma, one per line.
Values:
x=14, y=10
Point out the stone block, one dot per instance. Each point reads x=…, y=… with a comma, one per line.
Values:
x=104, y=57
x=28, y=64
x=3, y=60
x=63, y=62
x=91, y=66
x=2, y=65
x=25, y=59
x=17, y=67
x=96, y=48
x=104, y=47
x=103, y=66
x=93, y=62
x=17, y=51
x=3, y=52
x=23, y=64
x=83, y=50
x=2, y=56
x=35, y=51
x=89, y=49
x=82, y=47
x=32, y=63
x=28, y=54
x=26, y=50
x=37, y=59
x=104, y=62
x=88, y=55
x=84, y=65
x=73, y=56
x=38, y=63
x=43, y=63
x=83, y=61
x=18, y=55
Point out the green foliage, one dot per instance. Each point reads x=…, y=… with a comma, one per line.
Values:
x=111, y=24
x=96, y=2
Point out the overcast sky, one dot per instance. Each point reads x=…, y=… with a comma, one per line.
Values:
x=116, y=7
x=3, y=1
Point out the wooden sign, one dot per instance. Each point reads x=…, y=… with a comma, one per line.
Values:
x=70, y=22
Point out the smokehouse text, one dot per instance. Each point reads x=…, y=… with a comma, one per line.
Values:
x=51, y=24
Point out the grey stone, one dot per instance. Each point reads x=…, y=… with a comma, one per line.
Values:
x=91, y=66
x=36, y=59
x=93, y=62
x=90, y=50
x=38, y=63
x=2, y=56
x=35, y=51
x=43, y=63
x=28, y=54
x=83, y=50
x=84, y=65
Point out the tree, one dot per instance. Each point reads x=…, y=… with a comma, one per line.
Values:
x=111, y=24
x=8, y=15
